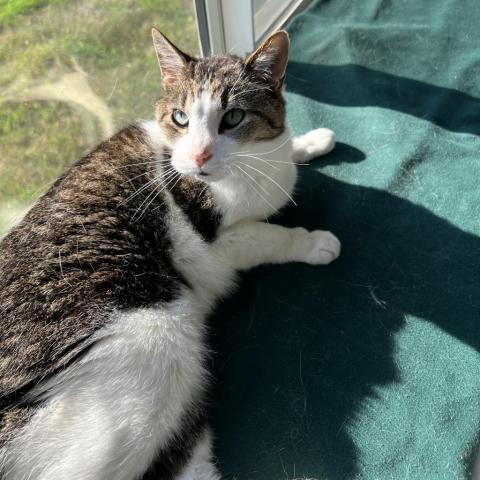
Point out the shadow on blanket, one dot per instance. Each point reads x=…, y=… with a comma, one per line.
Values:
x=353, y=85
x=300, y=347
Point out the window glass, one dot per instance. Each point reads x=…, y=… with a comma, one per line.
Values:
x=71, y=74
x=269, y=15
x=257, y=4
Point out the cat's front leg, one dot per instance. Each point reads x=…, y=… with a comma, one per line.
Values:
x=246, y=245
x=313, y=144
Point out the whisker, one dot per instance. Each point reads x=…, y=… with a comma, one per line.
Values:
x=234, y=173
x=203, y=191
x=169, y=175
x=172, y=179
x=166, y=159
x=137, y=176
x=272, y=180
x=261, y=159
x=254, y=180
x=239, y=78
x=164, y=172
x=138, y=191
x=141, y=189
x=282, y=162
x=146, y=206
x=269, y=160
x=254, y=189
x=243, y=92
x=175, y=184
x=157, y=193
x=287, y=163
x=265, y=153
x=275, y=149
x=168, y=171
x=143, y=203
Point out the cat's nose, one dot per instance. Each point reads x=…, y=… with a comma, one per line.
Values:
x=202, y=158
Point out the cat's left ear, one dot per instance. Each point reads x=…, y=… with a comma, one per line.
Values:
x=270, y=59
x=171, y=59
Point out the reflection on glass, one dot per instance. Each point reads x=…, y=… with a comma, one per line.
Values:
x=71, y=73
x=257, y=4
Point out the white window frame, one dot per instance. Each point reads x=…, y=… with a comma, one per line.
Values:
x=232, y=26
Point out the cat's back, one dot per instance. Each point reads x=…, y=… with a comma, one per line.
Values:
x=78, y=255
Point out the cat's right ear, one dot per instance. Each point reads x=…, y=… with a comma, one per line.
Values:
x=271, y=57
x=171, y=59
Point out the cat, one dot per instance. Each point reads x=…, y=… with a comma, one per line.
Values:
x=107, y=283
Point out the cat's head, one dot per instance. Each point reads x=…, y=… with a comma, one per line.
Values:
x=214, y=108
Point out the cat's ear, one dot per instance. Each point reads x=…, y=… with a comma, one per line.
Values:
x=171, y=59
x=271, y=57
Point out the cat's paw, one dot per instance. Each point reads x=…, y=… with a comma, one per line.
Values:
x=313, y=144
x=316, y=248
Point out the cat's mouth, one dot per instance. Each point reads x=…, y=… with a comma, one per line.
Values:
x=210, y=176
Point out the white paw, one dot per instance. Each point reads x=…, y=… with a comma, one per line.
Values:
x=319, y=141
x=316, y=248
x=313, y=144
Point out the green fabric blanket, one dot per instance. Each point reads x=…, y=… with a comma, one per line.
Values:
x=368, y=368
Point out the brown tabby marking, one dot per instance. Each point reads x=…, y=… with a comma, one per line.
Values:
x=76, y=257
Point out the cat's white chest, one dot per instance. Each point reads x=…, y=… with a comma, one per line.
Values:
x=263, y=181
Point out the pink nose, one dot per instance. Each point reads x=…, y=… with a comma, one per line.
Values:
x=202, y=158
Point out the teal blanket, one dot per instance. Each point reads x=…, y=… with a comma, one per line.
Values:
x=368, y=368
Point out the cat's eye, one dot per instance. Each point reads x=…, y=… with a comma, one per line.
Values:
x=232, y=118
x=180, y=118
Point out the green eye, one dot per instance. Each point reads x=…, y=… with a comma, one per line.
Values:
x=232, y=118
x=180, y=118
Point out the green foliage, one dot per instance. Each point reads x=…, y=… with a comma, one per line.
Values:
x=35, y=159
x=9, y=9
x=41, y=41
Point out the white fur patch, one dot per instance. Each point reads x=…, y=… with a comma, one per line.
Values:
x=313, y=144
x=200, y=466
x=108, y=415
x=261, y=181
x=155, y=135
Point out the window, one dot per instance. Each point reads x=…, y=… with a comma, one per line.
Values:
x=71, y=73
x=270, y=15
x=238, y=26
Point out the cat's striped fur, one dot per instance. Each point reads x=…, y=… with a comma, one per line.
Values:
x=106, y=284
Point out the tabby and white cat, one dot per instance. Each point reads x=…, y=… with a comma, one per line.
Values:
x=106, y=284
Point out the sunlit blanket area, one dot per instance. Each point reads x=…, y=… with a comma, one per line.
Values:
x=368, y=368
